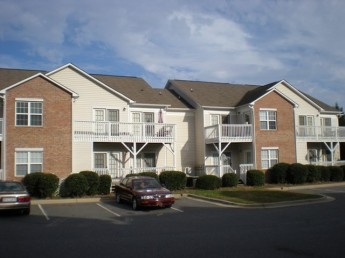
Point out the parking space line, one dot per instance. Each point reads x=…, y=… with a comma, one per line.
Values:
x=43, y=212
x=176, y=209
x=108, y=210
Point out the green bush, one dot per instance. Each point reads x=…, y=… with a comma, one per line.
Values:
x=229, y=180
x=297, y=174
x=337, y=174
x=173, y=180
x=75, y=185
x=255, y=178
x=343, y=168
x=41, y=185
x=92, y=179
x=104, y=184
x=314, y=173
x=47, y=185
x=325, y=173
x=277, y=173
x=31, y=183
x=150, y=174
x=208, y=182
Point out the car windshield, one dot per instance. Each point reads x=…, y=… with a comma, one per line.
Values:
x=10, y=187
x=146, y=183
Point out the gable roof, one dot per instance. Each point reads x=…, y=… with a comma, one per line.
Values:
x=10, y=76
x=74, y=95
x=140, y=91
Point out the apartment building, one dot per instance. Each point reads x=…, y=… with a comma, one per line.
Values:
x=65, y=121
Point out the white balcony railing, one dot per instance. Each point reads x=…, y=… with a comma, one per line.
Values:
x=123, y=132
x=122, y=172
x=321, y=133
x=229, y=133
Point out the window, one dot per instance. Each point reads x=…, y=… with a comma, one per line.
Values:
x=269, y=157
x=268, y=120
x=28, y=162
x=29, y=113
x=100, y=160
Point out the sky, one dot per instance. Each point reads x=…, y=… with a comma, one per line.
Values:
x=235, y=41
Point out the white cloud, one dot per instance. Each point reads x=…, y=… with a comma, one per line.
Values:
x=254, y=41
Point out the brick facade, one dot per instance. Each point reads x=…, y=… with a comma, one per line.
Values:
x=284, y=137
x=54, y=137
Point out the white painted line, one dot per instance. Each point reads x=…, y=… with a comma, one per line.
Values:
x=114, y=213
x=43, y=211
x=176, y=209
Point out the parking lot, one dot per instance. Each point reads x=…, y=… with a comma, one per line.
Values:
x=191, y=228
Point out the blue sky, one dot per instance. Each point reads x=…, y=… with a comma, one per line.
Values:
x=247, y=42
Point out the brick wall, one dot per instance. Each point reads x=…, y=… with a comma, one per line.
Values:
x=284, y=136
x=55, y=136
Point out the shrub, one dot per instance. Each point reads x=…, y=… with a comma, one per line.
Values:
x=255, y=178
x=47, y=185
x=325, y=173
x=104, y=184
x=313, y=174
x=277, y=174
x=92, y=179
x=297, y=173
x=229, y=180
x=31, y=183
x=337, y=174
x=75, y=185
x=208, y=182
x=343, y=168
x=173, y=180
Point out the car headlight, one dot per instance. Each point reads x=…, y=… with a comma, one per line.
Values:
x=147, y=197
x=169, y=195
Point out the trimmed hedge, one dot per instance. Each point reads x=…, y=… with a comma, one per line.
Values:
x=75, y=185
x=173, y=180
x=41, y=185
x=104, y=184
x=297, y=174
x=229, y=180
x=92, y=179
x=313, y=174
x=255, y=178
x=337, y=174
x=277, y=174
x=325, y=173
x=208, y=182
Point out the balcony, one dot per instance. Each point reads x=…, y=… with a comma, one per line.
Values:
x=229, y=133
x=320, y=133
x=92, y=131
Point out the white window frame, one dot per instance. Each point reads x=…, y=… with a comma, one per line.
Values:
x=271, y=159
x=265, y=119
x=30, y=113
x=29, y=160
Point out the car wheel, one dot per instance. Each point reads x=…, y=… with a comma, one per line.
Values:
x=168, y=206
x=134, y=204
x=118, y=198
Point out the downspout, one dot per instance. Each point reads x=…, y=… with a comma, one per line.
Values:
x=3, y=143
x=251, y=106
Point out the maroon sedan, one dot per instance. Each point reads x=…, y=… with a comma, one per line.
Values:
x=143, y=191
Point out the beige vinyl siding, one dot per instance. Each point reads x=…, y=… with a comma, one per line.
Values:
x=185, y=139
x=90, y=94
x=82, y=156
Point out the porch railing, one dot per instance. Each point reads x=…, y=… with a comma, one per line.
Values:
x=321, y=133
x=229, y=132
x=243, y=171
x=123, y=132
x=122, y=172
x=218, y=170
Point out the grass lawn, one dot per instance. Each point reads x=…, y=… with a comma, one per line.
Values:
x=251, y=195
